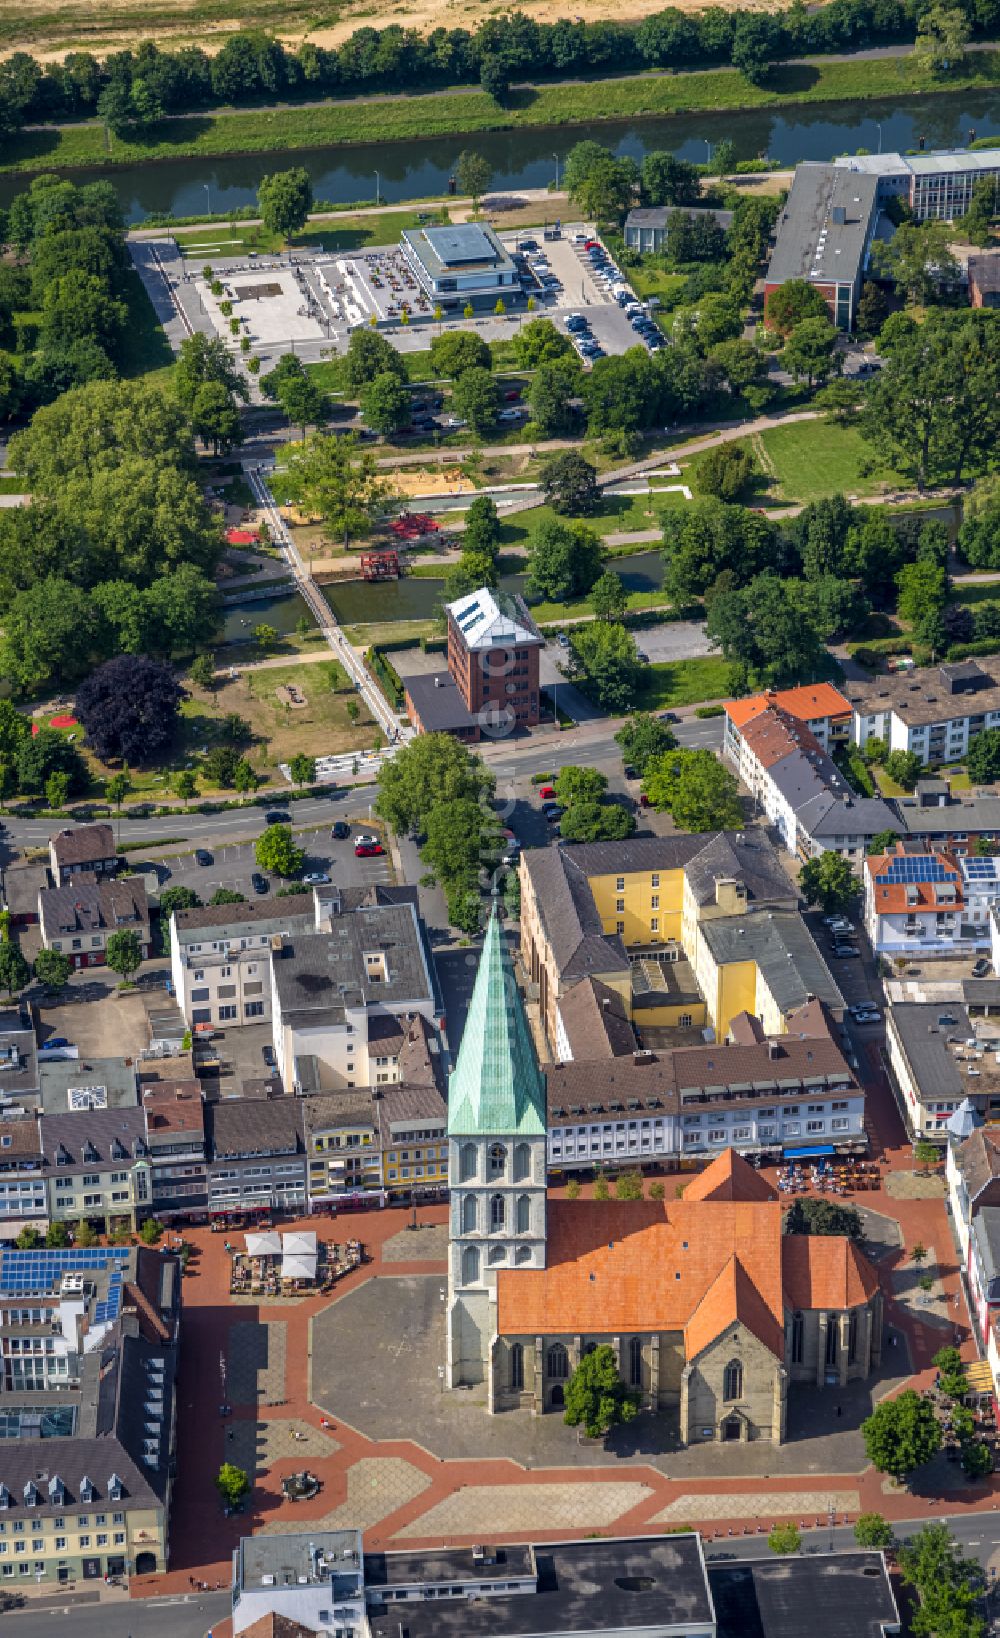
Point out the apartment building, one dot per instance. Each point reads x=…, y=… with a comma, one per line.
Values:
x=688, y=931
x=792, y=1094
x=78, y=919
x=88, y=1349
x=23, y=1197
x=972, y=1169
x=86, y=849
x=258, y=1156
x=933, y=711
x=492, y=677
x=939, y=1059
x=220, y=957
x=336, y=994
x=824, y=235
x=20, y=1091
x=412, y=1132
x=928, y=903
x=937, y=818
x=175, y=1140
x=341, y=1139
x=97, y=1166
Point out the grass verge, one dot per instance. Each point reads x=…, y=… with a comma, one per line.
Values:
x=448, y=113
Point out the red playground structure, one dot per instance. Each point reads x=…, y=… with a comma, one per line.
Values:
x=380, y=566
x=410, y=525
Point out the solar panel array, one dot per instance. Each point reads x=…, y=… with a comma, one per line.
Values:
x=916, y=868
x=981, y=870
x=22, y=1271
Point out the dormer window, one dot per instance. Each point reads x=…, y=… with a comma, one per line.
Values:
x=56, y=1490
x=4, y=1497
x=30, y=1494
x=87, y=1491
x=116, y=1489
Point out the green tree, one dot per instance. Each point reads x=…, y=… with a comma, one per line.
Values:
x=882, y=842
x=828, y=881
x=385, y=403
x=902, y=1434
x=608, y=657
x=756, y=44
x=227, y=895
x=725, y=472
x=784, y=1538
x=983, y=757
x=303, y=769
x=124, y=953
x=338, y=482
x=29, y=1239
x=918, y=258
x=953, y=1381
x=596, y=1396
x=186, y=785
x=629, y=1186
x=923, y=593
x=791, y=304
x=57, y=1236
x=116, y=789
x=871, y=1530
x=696, y=789
x=539, y=342
x=52, y=968
x=948, y=1585
x=83, y=1234
x=608, y=597
x=206, y=361
x=872, y=311
x=265, y=636
x=202, y=672
x=579, y=785
x=177, y=898
x=473, y=173
x=553, y=397
x=565, y=561
x=824, y=1218
x=942, y=35
x=456, y=351
x=150, y=1231
x=570, y=484
x=765, y=625
x=284, y=201
x=276, y=851
x=482, y=531
x=905, y=767
x=232, y=1484
x=14, y=970
x=245, y=778
x=431, y=771
x=608, y=191
x=641, y=739
x=808, y=352
x=463, y=837
x=370, y=354
x=49, y=633
x=57, y=790
x=476, y=398
x=302, y=401
x=596, y=822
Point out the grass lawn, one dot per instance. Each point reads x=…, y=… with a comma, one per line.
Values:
x=321, y=728
x=11, y=485
x=353, y=232
x=385, y=631
x=985, y=591
x=654, y=281
x=330, y=376
x=621, y=514
x=444, y=113
x=810, y=459
x=684, y=682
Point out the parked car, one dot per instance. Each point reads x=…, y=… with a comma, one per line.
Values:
x=315, y=878
x=667, y=716
x=553, y=812
x=340, y=831
x=259, y=883
x=508, y=415
x=981, y=967
x=513, y=395
x=267, y=1053
x=202, y=856
x=365, y=838
x=275, y=817
x=368, y=850
x=55, y=1041
x=845, y=952
x=867, y=1017
x=547, y=793
x=562, y=640
x=836, y=921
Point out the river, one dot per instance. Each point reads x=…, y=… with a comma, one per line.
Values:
x=527, y=157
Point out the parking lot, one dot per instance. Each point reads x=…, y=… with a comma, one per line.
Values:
x=233, y=865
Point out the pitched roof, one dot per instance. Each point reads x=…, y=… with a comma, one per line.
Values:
x=487, y=618
x=905, y=879
x=87, y=903
x=729, y=1177
x=254, y=1126
x=496, y=1085
x=274, y=1625
x=643, y=1265
x=808, y=703
x=825, y=1271
x=978, y=1159
x=596, y=1021
x=83, y=843
x=733, y=1298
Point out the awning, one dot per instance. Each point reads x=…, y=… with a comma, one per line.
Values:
x=980, y=1376
x=298, y=1266
x=263, y=1245
x=808, y=1151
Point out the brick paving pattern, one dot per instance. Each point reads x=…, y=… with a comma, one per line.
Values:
x=525, y=1509
x=256, y=1446
x=722, y=1504
x=257, y=1362
x=376, y=1487
x=428, y=1243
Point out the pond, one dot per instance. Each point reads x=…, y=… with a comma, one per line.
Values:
x=356, y=602
x=283, y=613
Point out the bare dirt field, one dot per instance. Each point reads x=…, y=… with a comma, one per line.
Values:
x=50, y=31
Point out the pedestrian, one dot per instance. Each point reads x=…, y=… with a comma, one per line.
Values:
x=840, y=1410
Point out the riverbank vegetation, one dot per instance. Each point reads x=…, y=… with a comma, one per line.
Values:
x=448, y=113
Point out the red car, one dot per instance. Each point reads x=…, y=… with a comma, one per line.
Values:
x=368, y=850
x=509, y=398
x=591, y=244
x=546, y=793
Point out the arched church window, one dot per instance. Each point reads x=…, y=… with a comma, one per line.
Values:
x=523, y=1213
x=498, y=1159
x=557, y=1362
x=470, y=1265
x=516, y=1367
x=635, y=1362
x=498, y=1212
x=733, y=1385
x=470, y=1214
x=467, y=1163
x=522, y=1163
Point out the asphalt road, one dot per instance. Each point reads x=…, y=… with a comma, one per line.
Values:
x=978, y=1534
x=182, y=1617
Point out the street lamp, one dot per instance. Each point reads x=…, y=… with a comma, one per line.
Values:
x=879, y=124
x=208, y=197
x=556, y=158
x=378, y=199
x=708, y=149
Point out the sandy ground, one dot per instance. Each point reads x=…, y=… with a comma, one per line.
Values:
x=49, y=33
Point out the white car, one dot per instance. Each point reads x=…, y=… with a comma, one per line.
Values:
x=315, y=878
x=508, y=415
x=365, y=840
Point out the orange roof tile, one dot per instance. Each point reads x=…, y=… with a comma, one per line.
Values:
x=772, y=735
x=641, y=1265
x=807, y=703
x=729, y=1177
x=825, y=1271
x=892, y=898
x=733, y=1297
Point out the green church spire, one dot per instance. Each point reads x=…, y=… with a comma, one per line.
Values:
x=496, y=1085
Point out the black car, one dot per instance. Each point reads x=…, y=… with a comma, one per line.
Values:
x=267, y=1053
x=259, y=883
x=553, y=812
x=202, y=856
x=340, y=831
x=981, y=968
x=276, y=817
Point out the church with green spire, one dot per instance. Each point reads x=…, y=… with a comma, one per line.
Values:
x=497, y=1161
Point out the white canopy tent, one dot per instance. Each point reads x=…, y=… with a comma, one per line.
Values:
x=298, y=1255
x=263, y=1245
